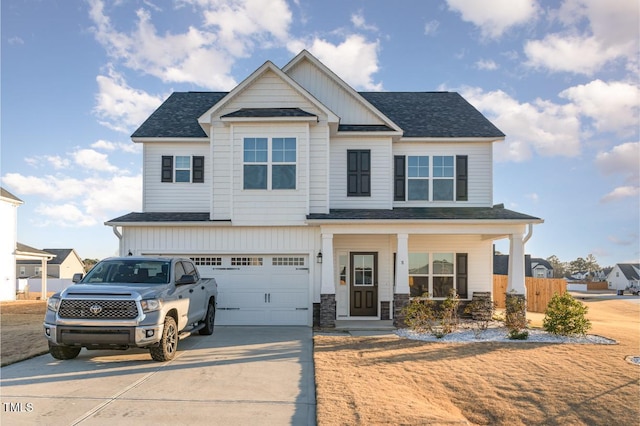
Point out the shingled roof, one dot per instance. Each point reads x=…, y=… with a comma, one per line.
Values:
x=419, y=114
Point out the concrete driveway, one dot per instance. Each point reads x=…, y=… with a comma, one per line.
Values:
x=237, y=376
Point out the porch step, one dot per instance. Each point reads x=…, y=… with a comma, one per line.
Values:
x=365, y=325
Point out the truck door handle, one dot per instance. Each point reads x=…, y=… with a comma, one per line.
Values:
x=191, y=291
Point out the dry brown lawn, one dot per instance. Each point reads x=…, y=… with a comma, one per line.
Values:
x=387, y=380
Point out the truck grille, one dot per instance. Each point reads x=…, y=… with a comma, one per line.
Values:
x=98, y=309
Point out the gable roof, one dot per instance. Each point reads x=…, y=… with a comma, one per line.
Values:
x=542, y=262
x=9, y=196
x=630, y=270
x=501, y=264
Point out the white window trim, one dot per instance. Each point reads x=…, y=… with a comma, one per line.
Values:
x=270, y=163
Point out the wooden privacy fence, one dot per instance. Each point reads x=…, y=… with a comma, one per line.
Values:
x=539, y=291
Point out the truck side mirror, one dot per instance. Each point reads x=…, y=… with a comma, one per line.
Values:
x=186, y=279
x=77, y=277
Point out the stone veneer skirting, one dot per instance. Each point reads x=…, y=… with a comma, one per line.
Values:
x=327, y=310
x=399, y=302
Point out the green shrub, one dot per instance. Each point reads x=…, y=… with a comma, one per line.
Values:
x=482, y=311
x=565, y=316
x=424, y=315
x=515, y=318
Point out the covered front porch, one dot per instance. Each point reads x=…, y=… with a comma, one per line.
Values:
x=371, y=268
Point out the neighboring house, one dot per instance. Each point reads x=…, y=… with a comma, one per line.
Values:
x=13, y=251
x=624, y=275
x=65, y=264
x=602, y=274
x=310, y=202
x=534, y=267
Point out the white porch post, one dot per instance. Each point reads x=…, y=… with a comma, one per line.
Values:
x=516, y=281
x=43, y=295
x=328, y=284
x=402, y=264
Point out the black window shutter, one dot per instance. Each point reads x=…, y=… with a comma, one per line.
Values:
x=399, y=178
x=198, y=169
x=461, y=274
x=461, y=178
x=167, y=168
x=358, y=172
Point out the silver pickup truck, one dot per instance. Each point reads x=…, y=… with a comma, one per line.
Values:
x=125, y=302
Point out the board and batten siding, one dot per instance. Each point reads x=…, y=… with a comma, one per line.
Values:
x=209, y=240
x=479, y=169
x=270, y=207
x=381, y=173
x=479, y=262
x=174, y=196
x=326, y=90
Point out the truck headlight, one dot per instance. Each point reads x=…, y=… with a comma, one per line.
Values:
x=150, y=305
x=53, y=304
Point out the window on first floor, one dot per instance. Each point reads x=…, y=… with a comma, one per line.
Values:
x=436, y=178
x=182, y=168
x=23, y=270
x=437, y=274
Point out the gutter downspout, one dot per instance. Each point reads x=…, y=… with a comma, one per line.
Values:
x=529, y=234
x=114, y=228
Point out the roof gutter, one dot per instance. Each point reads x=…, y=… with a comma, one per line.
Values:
x=114, y=228
x=529, y=233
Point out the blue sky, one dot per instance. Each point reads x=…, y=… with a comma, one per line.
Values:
x=560, y=78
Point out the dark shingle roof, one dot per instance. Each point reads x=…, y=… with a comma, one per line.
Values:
x=424, y=213
x=419, y=114
x=501, y=265
x=629, y=270
x=61, y=255
x=23, y=248
x=268, y=112
x=433, y=114
x=178, y=116
x=6, y=194
x=364, y=128
x=162, y=217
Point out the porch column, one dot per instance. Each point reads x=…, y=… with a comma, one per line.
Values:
x=401, y=292
x=516, y=283
x=43, y=295
x=328, y=286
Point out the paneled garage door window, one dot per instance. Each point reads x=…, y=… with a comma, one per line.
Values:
x=247, y=261
x=207, y=261
x=287, y=261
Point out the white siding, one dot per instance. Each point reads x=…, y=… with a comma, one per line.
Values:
x=320, y=85
x=222, y=176
x=319, y=169
x=381, y=174
x=174, y=196
x=480, y=170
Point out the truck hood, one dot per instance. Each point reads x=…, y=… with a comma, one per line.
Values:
x=121, y=290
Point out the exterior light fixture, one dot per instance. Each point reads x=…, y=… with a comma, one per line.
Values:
x=319, y=257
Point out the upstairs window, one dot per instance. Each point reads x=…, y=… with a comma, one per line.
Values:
x=182, y=168
x=270, y=163
x=439, y=181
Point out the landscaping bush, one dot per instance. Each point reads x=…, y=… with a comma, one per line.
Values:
x=482, y=312
x=424, y=315
x=516, y=317
x=565, y=316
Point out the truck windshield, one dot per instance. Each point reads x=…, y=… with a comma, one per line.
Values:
x=129, y=271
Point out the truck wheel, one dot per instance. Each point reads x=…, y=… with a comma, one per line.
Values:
x=168, y=345
x=64, y=352
x=209, y=319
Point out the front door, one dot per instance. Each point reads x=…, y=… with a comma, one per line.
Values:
x=363, y=288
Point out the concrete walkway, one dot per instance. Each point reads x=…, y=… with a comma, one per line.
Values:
x=238, y=376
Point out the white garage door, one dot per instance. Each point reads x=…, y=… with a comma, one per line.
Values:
x=259, y=289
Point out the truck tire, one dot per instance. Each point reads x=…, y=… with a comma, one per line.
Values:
x=166, y=349
x=209, y=319
x=64, y=352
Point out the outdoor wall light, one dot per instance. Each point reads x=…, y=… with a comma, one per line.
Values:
x=319, y=257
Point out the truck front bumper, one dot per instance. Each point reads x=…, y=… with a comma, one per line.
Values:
x=103, y=336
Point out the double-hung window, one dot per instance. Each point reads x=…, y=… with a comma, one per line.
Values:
x=438, y=274
x=182, y=168
x=436, y=178
x=269, y=163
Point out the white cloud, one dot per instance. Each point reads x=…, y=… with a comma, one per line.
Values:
x=494, y=17
x=576, y=54
x=121, y=107
x=65, y=215
x=15, y=41
x=610, y=34
x=358, y=21
x=93, y=160
x=623, y=159
x=542, y=127
x=130, y=147
x=534, y=197
x=486, y=64
x=614, y=106
x=355, y=60
x=431, y=27
x=621, y=192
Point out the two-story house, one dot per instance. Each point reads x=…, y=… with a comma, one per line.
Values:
x=310, y=202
